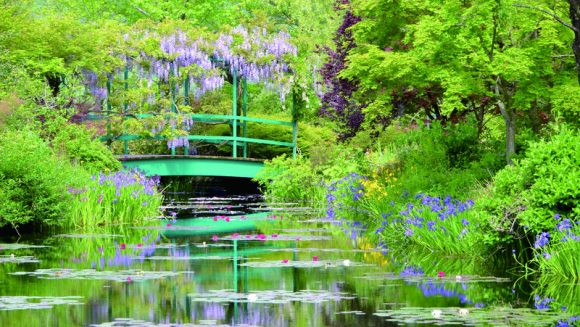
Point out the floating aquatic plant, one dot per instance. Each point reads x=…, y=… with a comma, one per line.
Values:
x=129, y=322
x=304, y=264
x=15, y=259
x=188, y=258
x=92, y=274
x=19, y=246
x=88, y=235
x=277, y=237
x=271, y=296
x=499, y=316
x=9, y=303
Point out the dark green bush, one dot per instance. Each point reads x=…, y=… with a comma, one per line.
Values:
x=546, y=182
x=76, y=143
x=33, y=181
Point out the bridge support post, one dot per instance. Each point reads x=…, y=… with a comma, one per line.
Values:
x=294, y=127
x=235, y=113
x=186, y=102
x=109, y=107
x=245, y=123
x=126, y=109
x=173, y=107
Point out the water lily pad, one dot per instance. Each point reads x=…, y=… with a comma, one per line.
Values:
x=170, y=226
x=8, y=303
x=169, y=245
x=128, y=322
x=324, y=250
x=358, y=313
x=305, y=264
x=501, y=316
x=187, y=258
x=464, y=279
x=271, y=296
x=88, y=235
x=14, y=259
x=273, y=237
x=20, y=246
x=305, y=230
x=92, y=274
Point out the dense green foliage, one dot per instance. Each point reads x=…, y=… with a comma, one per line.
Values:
x=31, y=183
x=544, y=183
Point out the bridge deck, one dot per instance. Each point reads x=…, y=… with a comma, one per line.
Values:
x=184, y=165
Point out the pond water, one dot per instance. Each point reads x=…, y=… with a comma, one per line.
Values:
x=231, y=261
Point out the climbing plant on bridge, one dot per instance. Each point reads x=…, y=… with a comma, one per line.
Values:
x=166, y=72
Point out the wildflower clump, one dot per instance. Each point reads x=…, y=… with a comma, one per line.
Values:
x=434, y=223
x=123, y=197
x=556, y=251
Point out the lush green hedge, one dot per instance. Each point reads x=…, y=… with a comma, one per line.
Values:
x=33, y=180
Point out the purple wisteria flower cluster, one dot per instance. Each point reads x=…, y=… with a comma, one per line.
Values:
x=254, y=55
x=181, y=141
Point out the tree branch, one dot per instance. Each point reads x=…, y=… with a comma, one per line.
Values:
x=141, y=11
x=551, y=14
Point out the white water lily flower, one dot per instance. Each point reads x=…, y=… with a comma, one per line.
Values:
x=436, y=313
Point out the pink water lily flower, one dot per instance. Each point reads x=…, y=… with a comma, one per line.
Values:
x=315, y=258
x=214, y=238
x=285, y=261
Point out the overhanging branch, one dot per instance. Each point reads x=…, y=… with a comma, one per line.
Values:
x=549, y=13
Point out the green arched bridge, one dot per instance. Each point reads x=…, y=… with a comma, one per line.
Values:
x=184, y=165
x=181, y=162
x=238, y=164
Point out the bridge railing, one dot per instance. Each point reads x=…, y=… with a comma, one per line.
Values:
x=234, y=140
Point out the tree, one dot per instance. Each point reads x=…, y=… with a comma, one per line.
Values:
x=482, y=49
x=337, y=102
x=554, y=12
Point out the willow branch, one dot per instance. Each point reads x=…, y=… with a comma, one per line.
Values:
x=551, y=14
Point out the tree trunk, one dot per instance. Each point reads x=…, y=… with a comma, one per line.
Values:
x=575, y=18
x=504, y=94
x=510, y=135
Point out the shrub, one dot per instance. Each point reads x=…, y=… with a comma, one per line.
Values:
x=285, y=179
x=33, y=181
x=527, y=194
x=76, y=143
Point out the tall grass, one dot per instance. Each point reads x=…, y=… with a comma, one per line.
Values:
x=120, y=198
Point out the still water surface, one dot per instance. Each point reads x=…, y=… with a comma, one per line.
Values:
x=231, y=261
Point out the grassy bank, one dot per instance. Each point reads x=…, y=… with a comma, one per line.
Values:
x=446, y=190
